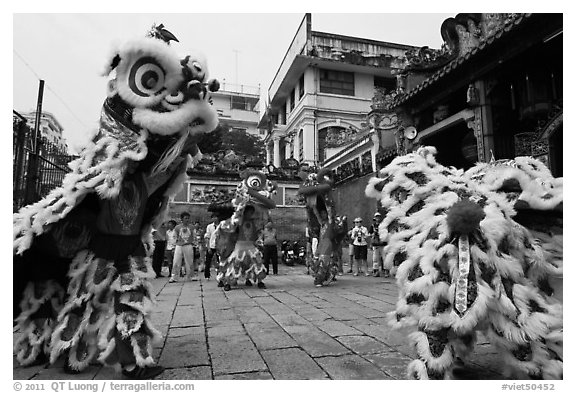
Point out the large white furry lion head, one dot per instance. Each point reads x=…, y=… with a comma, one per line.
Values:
x=156, y=89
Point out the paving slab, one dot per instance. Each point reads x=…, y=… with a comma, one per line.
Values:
x=185, y=347
x=234, y=354
x=193, y=373
x=350, y=367
x=292, y=363
x=336, y=328
x=363, y=345
x=269, y=337
x=393, y=363
x=185, y=316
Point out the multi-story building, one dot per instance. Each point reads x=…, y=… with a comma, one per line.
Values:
x=493, y=91
x=322, y=91
x=237, y=107
x=50, y=128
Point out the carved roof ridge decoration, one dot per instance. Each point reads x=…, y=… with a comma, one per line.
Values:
x=382, y=101
x=491, y=34
x=426, y=58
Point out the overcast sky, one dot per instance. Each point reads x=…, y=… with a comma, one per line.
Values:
x=68, y=51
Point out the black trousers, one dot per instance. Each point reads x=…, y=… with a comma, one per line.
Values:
x=158, y=256
x=270, y=255
x=210, y=252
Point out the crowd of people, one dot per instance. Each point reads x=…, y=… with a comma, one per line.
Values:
x=359, y=240
x=184, y=250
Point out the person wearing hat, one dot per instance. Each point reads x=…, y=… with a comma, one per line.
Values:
x=359, y=241
x=378, y=244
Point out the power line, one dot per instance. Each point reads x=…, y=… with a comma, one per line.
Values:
x=52, y=90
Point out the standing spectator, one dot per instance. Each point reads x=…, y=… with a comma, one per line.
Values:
x=184, y=248
x=159, y=236
x=350, y=242
x=198, y=236
x=170, y=244
x=270, y=250
x=210, y=238
x=378, y=244
x=360, y=235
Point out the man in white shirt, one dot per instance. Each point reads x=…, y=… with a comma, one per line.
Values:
x=210, y=238
x=185, y=240
x=170, y=244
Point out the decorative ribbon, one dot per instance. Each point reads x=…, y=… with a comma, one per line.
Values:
x=463, y=268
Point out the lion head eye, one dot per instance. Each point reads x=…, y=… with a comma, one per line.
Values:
x=255, y=182
x=146, y=77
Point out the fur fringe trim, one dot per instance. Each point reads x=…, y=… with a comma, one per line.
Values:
x=82, y=353
x=439, y=364
x=142, y=347
x=417, y=370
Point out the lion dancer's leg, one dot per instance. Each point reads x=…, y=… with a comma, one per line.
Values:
x=127, y=337
x=531, y=337
x=230, y=271
x=40, y=305
x=256, y=271
x=84, y=313
x=320, y=270
x=435, y=354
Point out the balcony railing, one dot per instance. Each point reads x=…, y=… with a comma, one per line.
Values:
x=240, y=89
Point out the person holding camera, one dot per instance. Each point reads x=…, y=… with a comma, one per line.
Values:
x=359, y=241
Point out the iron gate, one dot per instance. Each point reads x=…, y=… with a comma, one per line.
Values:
x=34, y=175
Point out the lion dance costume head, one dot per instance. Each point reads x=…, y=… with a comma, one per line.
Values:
x=471, y=258
x=88, y=242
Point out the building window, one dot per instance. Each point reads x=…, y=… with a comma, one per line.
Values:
x=301, y=145
x=238, y=129
x=262, y=132
x=292, y=99
x=301, y=87
x=283, y=115
x=337, y=82
x=243, y=103
x=389, y=84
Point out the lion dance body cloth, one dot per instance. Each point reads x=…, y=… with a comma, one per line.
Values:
x=322, y=225
x=82, y=255
x=473, y=254
x=237, y=236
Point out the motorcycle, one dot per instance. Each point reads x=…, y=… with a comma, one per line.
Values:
x=300, y=253
x=288, y=254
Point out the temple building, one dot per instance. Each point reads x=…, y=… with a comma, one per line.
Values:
x=494, y=91
x=321, y=94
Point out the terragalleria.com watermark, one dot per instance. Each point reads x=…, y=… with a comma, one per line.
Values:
x=104, y=386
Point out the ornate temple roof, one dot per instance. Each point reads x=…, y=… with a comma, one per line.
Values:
x=498, y=33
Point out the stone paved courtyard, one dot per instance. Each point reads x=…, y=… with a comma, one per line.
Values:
x=291, y=330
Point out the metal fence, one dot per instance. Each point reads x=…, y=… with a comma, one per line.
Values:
x=34, y=175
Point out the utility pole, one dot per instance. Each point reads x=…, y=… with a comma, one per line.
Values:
x=32, y=172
